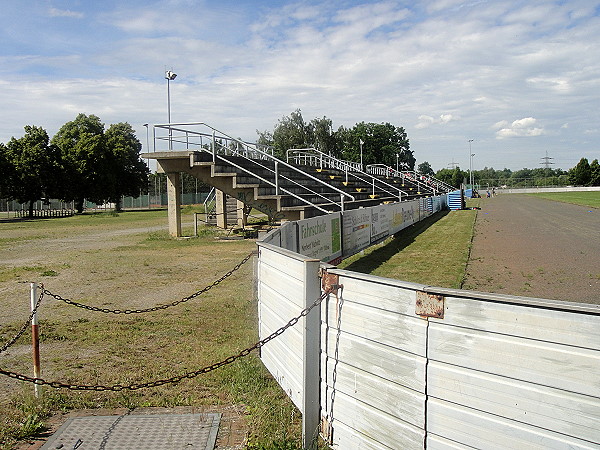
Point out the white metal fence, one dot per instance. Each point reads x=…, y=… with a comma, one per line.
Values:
x=401, y=365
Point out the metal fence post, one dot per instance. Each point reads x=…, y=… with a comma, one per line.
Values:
x=311, y=361
x=35, y=340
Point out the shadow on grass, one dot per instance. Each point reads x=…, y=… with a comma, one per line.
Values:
x=371, y=261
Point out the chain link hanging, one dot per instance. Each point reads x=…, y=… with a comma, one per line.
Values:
x=26, y=324
x=173, y=380
x=154, y=308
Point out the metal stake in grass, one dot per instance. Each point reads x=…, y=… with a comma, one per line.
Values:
x=35, y=339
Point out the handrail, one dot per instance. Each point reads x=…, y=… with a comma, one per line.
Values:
x=210, y=202
x=418, y=178
x=250, y=148
x=350, y=168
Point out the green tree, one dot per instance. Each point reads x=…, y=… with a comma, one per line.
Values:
x=5, y=171
x=381, y=143
x=128, y=174
x=425, y=169
x=290, y=132
x=35, y=167
x=458, y=177
x=85, y=159
x=323, y=138
x=595, y=173
x=581, y=174
x=453, y=177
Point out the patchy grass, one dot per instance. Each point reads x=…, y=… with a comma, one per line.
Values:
x=103, y=266
x=591, y=199
x=434, y=251
x=128, y=261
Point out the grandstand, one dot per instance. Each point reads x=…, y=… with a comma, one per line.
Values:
x=307, y=184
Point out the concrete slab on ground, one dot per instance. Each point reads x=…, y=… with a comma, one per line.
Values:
x=135, y=431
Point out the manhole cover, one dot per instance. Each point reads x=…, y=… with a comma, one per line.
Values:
x=140, y=431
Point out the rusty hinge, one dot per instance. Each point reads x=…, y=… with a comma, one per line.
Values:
x=329, y=282
x=326, y=431
x=429, y=305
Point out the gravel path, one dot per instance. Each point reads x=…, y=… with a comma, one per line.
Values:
x=532, y=247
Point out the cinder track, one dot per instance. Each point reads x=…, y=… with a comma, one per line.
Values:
x=533, y=247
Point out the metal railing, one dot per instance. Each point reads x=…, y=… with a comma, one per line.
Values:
x=210, y=202
x=220, y=146
x=422, y=181
x=352, y=170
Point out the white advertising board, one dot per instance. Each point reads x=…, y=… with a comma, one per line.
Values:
x=320, y=237
x=380, y=222
x=357, y=230
x=403, y=214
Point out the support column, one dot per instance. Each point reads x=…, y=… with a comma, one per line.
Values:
x=242, y=217
x=311, y=357
x=221, y=208
x=174, y=203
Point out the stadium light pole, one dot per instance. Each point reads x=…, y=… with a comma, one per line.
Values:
x=147, y=139
x=471, y=164
x=169, y=76
x=361, y=154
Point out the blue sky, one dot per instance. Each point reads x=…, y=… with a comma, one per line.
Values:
x=520, y=78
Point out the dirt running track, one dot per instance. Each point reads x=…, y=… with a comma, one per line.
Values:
x=532, y=247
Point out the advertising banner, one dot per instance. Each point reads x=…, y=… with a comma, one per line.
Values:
x=403, y=214
x=380, y=223
x=357, y=230
x=320, y=237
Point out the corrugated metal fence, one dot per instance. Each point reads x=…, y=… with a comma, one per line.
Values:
x=401, y=365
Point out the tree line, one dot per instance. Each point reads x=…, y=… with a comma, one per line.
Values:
x=382, y=143
x=83, y=160
x=583, y=174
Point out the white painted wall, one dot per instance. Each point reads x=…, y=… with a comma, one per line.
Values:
x=495, y=372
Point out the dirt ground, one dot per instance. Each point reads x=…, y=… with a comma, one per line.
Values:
x=533, y=247
x=54, y=252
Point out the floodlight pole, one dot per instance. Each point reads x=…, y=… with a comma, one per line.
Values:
x=169, y=76
x=147, y=139
x=361, y=155
x=470, y=164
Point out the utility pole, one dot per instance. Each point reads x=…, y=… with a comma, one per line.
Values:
x=546, y=161
x=452, y=165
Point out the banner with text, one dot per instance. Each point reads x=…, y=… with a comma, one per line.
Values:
x=357, y=230
x=320, y=237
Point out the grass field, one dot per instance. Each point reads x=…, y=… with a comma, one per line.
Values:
x=127, y=261
x=434, y=251
x=591, y=199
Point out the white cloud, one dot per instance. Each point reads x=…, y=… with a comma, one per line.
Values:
x=466, y=63
x=525, y=127
x=55, y=12
x=426, y=121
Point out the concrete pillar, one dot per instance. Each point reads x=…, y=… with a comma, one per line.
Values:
x=221, y=208
x=174, y=203
x=242, y=217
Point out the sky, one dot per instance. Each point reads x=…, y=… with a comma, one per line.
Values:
x=521, y=79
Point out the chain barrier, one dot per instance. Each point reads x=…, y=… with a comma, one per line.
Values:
x=27, y=322
x=154, y=308
x=173, y=380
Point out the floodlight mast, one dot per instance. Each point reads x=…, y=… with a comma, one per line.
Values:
x=471, y=154
x=169, y=76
